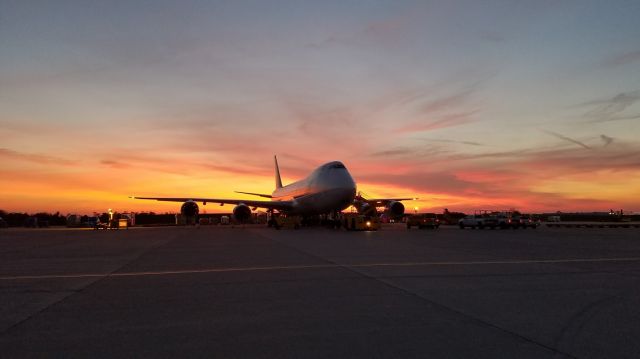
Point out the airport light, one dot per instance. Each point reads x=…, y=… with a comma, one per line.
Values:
x=415, y=209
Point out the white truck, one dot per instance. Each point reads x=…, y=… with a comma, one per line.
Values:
x=480, y=221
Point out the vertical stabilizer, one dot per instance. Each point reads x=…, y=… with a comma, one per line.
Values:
x=278, y=179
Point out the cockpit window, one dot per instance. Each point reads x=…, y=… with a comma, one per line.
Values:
x=337, y=165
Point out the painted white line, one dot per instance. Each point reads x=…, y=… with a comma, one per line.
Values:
x=320, y=266
x=523, y=261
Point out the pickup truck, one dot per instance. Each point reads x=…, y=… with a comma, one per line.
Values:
x=479, y=221
x=427, y=220
x=526, y=221
x=516, y=221
x=505, y=221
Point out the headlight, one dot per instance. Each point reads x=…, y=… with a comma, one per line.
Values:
x=368, y=224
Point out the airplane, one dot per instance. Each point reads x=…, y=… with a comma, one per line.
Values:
x=328, y=189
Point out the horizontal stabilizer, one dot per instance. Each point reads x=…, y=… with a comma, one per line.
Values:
x=382, y=201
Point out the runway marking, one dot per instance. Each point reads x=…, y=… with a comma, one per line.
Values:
x=318, y=266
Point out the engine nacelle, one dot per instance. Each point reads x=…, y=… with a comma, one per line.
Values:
x=189, y=209
x=395, y=209
x=366, y=209
x=241, y=213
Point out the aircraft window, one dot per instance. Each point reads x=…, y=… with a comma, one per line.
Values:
x=338, y=165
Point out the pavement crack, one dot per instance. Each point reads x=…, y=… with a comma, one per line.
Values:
x=422, y=298
x=70, y=293
x=581, y=317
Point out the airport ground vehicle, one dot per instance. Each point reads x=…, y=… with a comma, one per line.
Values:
x=100, y=225
x=480, y=221
x=528, y=222
x=426, y=220
x=123, y=223
x=516, y=221
x=504, y=221
x=359, y=222
x=112, y=224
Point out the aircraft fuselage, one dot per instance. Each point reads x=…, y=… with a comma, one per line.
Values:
x=328, y=188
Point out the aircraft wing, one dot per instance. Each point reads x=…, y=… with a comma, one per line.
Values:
x=278, y=205
x=383, y=201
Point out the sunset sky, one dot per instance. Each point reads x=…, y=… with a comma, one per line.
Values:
x=466, y=104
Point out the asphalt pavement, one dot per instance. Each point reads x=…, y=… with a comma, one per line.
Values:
x=254, y=292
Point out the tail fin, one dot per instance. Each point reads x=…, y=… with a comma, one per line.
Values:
x=278, y=179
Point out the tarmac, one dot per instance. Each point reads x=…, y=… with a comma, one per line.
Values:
x=255, y=292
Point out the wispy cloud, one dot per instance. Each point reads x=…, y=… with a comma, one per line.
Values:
x=393, y=152
x=387, y=31
x=470, y=143
x=622, y=59
x=441, y=107
x=115, y=164
x=606, y=139
x=449, y=120
x=565, y=138
x=612, y=109
x=429, y=151
x=35, y=158
x=512, y=154
x=446, y=103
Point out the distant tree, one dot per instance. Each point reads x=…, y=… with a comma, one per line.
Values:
x=104, y=218
x=16, y=219
x=452, y=217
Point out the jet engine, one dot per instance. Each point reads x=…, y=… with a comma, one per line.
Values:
x=189, y=212
x=395, y=209
x=366, y=209
x=189, y=209
x=241, y=213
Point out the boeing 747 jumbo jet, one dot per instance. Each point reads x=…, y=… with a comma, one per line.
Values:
x=329, y=188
